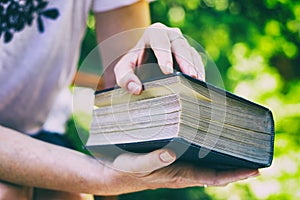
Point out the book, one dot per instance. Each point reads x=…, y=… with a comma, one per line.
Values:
x=202, y=124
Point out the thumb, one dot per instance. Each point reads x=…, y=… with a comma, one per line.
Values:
x=144, y=164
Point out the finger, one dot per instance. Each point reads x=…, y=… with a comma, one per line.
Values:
x=144, y=164
x=221, y=178
x=198, y=64
x=124, y=71
x=158, y=40
x=182, y=53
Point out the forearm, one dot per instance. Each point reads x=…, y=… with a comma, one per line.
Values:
x=30, y=162
x=122, y=19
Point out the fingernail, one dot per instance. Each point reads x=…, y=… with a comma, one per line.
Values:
x=254, y=174
x=248, y=173
x=196, y=77
x=133, y=87
x=193, y=73
x=169, y=68
x=167, y=157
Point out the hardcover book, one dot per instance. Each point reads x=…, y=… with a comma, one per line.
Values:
x=201, y=123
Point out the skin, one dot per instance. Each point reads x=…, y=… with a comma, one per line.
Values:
x=26, y=163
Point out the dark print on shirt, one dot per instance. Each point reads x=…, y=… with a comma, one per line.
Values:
x=15, y=15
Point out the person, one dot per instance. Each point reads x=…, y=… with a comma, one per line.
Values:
x=38, y=59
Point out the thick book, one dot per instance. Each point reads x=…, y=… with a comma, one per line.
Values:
x=201, y=123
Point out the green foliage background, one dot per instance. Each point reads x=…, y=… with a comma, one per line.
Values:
x=255, y=44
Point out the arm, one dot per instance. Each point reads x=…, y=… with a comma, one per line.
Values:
x=117, y=21
x=108, y=24
x=30, y=162
x=122, y=19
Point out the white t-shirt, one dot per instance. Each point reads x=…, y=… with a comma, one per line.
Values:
x=35, y=67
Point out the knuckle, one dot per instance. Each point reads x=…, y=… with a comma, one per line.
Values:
x=181, y=44
x=157, y=25
x=147, y=31
x=154, y=30
x=176, y=30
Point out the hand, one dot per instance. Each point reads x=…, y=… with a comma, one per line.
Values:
x=164, y=41
x=136, y=172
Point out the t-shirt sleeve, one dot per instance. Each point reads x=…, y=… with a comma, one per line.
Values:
x=106, y=5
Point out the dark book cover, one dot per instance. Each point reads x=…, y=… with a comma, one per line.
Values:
x=185, y=152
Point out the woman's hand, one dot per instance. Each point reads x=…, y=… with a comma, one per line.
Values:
x=163, y=41
x=136, y=172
